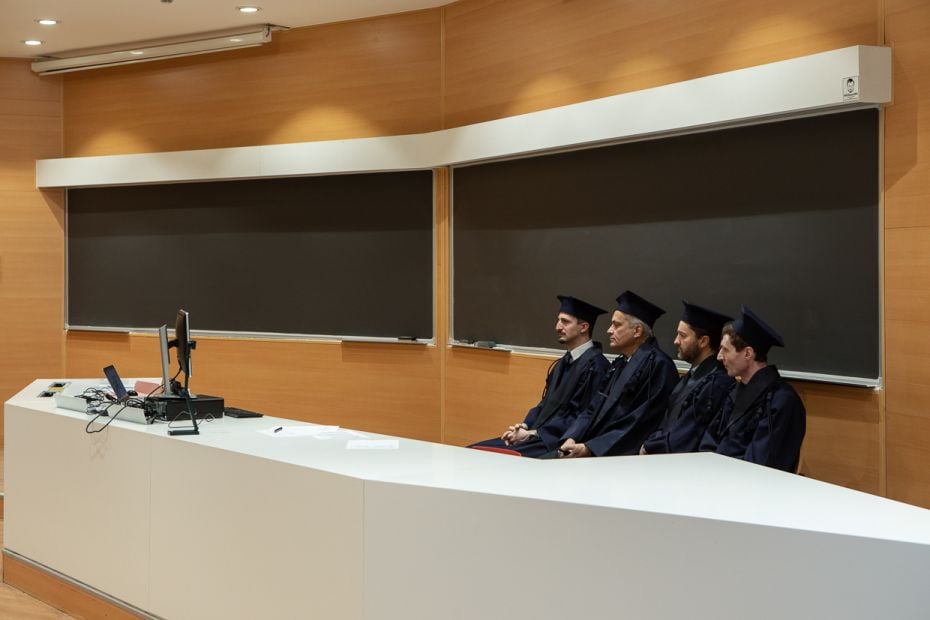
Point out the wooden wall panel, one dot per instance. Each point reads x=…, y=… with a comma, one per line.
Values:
x=908, y=446
x=506, y=58
x=442, y=223
x=31, y=231
x=907, y=257
x=842, y=444
x=486, y=391
x=354, y=79
x=382, y=388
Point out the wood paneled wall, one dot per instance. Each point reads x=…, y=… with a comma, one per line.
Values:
x=355, y=79
x=31, y=231
x=476, y=60
x=907, y=254
x=506, y=58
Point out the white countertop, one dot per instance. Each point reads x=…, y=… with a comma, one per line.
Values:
x=699, y=485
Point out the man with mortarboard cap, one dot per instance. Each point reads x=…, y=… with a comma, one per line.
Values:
x=633, y=396
x=572, y=381
x=700, y=392
x=762, y=420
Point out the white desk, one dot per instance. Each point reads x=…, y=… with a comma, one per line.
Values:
x=238, y=524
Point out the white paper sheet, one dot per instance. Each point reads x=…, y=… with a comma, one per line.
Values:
x=303, y=430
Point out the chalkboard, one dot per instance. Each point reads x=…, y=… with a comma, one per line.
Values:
x=782, y=217
x=344, y=255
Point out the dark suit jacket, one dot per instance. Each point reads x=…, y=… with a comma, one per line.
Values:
x=630, y=404
x=692, y=405
x=762, y=422
x=568, y=390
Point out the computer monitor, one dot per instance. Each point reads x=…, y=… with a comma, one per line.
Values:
x=184, y=344
x=165, y=361
x=182, y=335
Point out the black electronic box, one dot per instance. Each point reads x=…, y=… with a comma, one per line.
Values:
x=171, y=408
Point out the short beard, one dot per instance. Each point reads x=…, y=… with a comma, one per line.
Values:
x=685, y=357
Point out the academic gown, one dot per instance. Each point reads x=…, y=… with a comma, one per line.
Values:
x=630, y=404
x=762, y=422
x=570, y=385
x=692, y=405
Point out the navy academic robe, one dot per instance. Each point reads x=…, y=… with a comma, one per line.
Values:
x=691, y=406
x=568, y=390
x=629, y=405
x=762, y=422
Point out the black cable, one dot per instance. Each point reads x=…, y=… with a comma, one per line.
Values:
x=94, y=393
x=105, y=413
x=208, y=417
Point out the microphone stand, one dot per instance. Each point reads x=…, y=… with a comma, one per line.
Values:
x=185, y=393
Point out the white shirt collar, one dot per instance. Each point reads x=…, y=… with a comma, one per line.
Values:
x=580, y=349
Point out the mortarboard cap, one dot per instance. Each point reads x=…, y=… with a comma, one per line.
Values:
x=757, y=334
x=581, y=310
x=704, y=318
x=630, y=303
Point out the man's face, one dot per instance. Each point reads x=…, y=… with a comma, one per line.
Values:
x=569, y=330
x=689, y=348
x=621, y=331
x=736, y=362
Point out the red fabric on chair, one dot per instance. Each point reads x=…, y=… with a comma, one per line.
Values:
x=498, y=450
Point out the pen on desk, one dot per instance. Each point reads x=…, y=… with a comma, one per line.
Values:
x=277, y=429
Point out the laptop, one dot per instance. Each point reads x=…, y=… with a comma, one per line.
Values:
x=116, y=384
x=120, y=409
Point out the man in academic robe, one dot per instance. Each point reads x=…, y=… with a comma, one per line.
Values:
x=700, y=392
x=633, y=397
x=762, y=419
x=571, y=382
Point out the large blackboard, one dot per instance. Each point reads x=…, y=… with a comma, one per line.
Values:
x=344, y=255
x=781, y=216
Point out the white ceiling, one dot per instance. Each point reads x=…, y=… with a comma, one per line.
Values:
x=101, y=23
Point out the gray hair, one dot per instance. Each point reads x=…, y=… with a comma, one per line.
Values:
x=633, y=321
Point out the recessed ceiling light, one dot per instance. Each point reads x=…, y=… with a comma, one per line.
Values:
x=248, y=9
x=136, y=52
x=47, y=22
x=33, y=42
x=235, y=40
